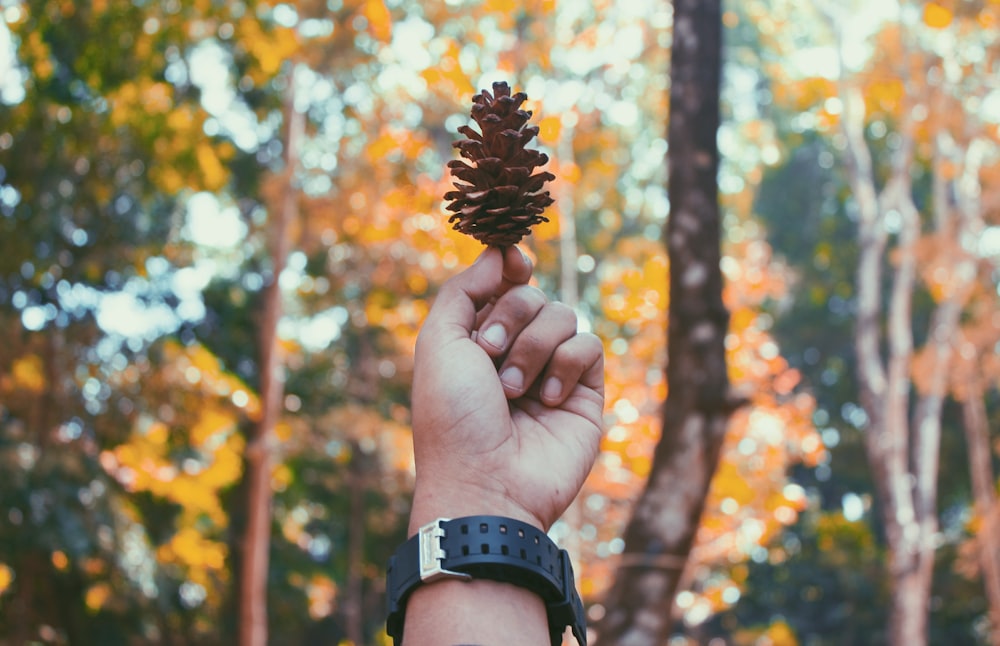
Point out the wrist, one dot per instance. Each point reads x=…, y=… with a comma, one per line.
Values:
x=441, y=500
x=447, y=555
x=474, y=612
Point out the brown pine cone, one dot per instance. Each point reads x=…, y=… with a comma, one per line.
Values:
x=498, y=199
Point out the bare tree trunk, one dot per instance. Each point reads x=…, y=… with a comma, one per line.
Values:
x=884, y=388
x=904, y=475
x=660, y=534
x=977, y=436
x=353, y=620
x=977, y=432
x=904, y=452
x=260, y=446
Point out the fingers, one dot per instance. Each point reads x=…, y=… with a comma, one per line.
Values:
x=495, y=272
x=539, y=348
x=579, y=360
x=516, y=268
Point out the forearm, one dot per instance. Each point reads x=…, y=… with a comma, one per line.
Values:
x=475, y=613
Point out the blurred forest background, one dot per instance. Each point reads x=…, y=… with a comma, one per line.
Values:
x=195, y=191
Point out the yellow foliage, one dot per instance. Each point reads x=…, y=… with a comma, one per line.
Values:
x=213, y=174
x=59, y=560
x=549, y=128
x=936, y=16
x=6, y=577
x=548, y=230
x=157, y=98
x=29, y=373
x=447, y=77
x=379, y=20
x=97, y=595
x=806, y=93
x=34, y=47
x=212, y=421
x=321, y=592
x=778, y=634
x=188, y=547
x=502, y=6
x=167, y=178
x=281, y=477
x=226, y=466
x=269, y=49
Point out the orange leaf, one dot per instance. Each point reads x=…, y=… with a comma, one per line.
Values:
x=379, y=19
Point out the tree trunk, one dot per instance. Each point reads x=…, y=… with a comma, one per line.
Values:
x=903, y=451
x=977, y=436
x=356, y=470
x=660, y=534
x=260, y=445
x=884, y=388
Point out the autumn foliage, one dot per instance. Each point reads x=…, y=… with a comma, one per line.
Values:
x=143, y=158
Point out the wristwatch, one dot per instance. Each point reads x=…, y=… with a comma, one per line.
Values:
x=486, y=547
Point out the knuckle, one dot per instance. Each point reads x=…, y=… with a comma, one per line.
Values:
x=568, y=359
x=561, y=311
x=529, y=344
x=523, y=302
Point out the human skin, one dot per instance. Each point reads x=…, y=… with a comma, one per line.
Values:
x=508, y=400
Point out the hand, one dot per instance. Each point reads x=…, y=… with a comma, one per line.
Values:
x=508, y=398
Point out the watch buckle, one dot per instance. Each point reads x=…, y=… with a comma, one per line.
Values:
x=432, y=554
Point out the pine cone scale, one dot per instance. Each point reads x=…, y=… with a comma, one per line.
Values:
x=498, y=199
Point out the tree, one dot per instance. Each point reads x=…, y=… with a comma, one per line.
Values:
x=662, y=529
x=903, y=440
x=923, y=168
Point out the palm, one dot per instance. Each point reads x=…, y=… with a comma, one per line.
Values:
x=483, y=445
x=537, y=454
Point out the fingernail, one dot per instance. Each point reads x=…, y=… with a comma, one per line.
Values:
x=552, y=388
x=512, y=378
x=495, y=335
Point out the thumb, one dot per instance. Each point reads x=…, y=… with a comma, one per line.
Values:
x=453, y=314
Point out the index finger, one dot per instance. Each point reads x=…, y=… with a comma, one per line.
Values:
x=517, y=270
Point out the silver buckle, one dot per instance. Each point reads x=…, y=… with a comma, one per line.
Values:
x=432, y=554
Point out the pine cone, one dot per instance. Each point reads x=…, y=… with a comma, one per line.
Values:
x=498, y=198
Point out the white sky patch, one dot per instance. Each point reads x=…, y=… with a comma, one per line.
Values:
x=209, y=66
x=315, y=333
x=123, y=314
x=853, y=507
x=411, y=42
x=990, y=108
x=213, y=225
x=989, y=242
x=11, y=77
x=859, y=21
x=209, y=69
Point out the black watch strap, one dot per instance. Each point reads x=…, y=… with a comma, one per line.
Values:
x=487, y=547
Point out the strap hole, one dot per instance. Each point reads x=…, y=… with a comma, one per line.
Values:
x=520, y=533
x=465, y=550
x=485, y=547
x=524, y=555
x=483, y=528
x=503, y=529
x=465, y=528
x=504, y=550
